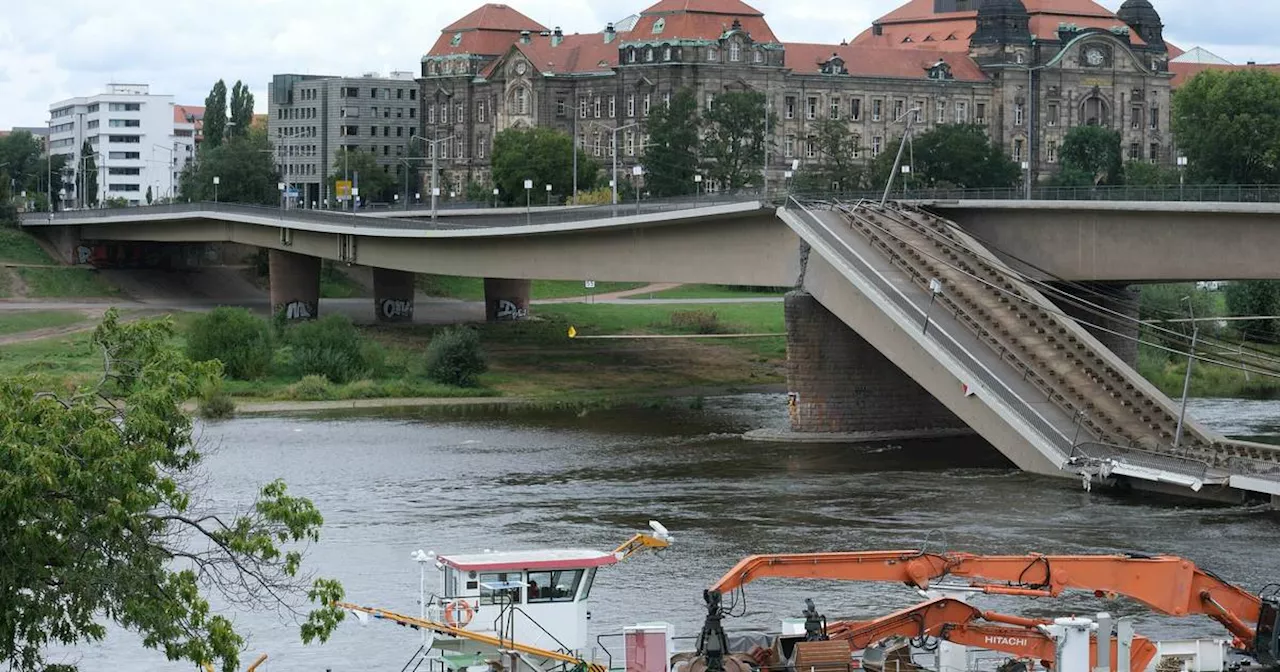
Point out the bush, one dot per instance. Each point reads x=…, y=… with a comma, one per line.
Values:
x=235, y=337
x=215, y=403
x=329, y=347
x=697, y=321
x=312, y=388
x=454, y=357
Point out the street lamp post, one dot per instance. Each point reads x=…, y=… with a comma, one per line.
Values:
x=434, y=145
x=216, y=181
x=637, y=172
x=528, y=206
x=495, y=197
x=1182, y=173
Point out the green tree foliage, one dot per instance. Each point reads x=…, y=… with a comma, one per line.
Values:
x=1255, y=297
x=1169, y=302
x=235, y=337
x=241, y=111
x=28, y=168
x=329, y=347
x=836, y=166
x=671, y=155
x=1227, y=124
x=1091, y=154
x=1145, y=173
x=88, y=178
x=150, y=197
x=215, y=117
x=454, y=357
x=543, y=155
x=956, y=156
x=734, y=139
x=245, y=166
x=362, y=167
x=99, y=520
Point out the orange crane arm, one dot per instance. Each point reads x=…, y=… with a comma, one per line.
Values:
x=1166, y=584
x=957, y=622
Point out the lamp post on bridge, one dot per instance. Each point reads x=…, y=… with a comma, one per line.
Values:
x=908, y=116
x=433, y=146
x=216, y=181
x=1182, y=173
x=528, y=206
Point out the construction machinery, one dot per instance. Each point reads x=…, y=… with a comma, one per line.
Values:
x=1165, y=584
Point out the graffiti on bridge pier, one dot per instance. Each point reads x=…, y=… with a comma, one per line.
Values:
x=298, y=310
x=509, y=310
x=395, y=310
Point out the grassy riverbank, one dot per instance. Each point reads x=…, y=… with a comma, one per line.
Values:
x=531, y=360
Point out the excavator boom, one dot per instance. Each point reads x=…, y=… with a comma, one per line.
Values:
x=1166, y=584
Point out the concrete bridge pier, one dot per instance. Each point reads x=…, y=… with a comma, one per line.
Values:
x=295, y=285
x=506, y=300
x=1117, y=332
x=842, y=388
x=393, y=293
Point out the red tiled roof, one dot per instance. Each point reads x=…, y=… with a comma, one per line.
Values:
x=697, y=26
x=187, y=114
x=495, y=16
x=575, y=54
x=1183, y=72
x=917, y=22
x=479, y=42
x=727, y=7
x=864, y=61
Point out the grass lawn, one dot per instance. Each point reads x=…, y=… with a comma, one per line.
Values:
x=718, y=292
x=20, y=248
x=58, y=363
x=338, y=285
x=65, y=282
x=472, y=289
x=19, y=321
x=6, y=283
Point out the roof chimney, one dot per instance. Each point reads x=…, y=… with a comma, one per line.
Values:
x=877, y=29
x=1251, y=63
x=557, y=36
x=609, y=33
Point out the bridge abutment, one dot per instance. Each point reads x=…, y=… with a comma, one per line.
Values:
x=1118, y=332
x=295, y=285
x=841, y=385
x=393, y=293
x=506, y=300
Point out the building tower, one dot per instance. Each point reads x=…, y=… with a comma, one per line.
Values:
x=1144, y=20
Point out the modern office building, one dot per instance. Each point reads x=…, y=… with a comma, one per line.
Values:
x=1026, y=70
x=311, y=117
x=133, y=139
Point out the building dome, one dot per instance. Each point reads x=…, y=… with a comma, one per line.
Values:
x=1144, y=20
x=1002, y=22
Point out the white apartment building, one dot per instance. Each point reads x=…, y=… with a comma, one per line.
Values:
x=136, y=139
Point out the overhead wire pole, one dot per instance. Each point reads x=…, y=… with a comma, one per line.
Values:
x=902, y=146
x=1186, y=381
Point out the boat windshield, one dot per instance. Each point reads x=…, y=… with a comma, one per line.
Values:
x=554, y=586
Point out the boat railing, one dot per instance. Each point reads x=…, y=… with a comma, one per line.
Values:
x=509, y=611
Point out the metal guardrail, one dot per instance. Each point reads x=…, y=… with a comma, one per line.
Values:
x=511, y=217
x=1139, y=457
x=1151, y=193
x=967, y=359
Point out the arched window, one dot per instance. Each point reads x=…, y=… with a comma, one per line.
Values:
x=666, y=53
x=759, y=56
x=520, y=101
x=1094, y=112
x=648, y=55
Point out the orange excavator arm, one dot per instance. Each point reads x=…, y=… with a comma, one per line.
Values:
x=1166, y=584
x=961, y=623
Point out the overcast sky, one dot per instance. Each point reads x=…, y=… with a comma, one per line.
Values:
x=50, y=51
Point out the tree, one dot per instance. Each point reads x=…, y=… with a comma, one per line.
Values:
x=245, y=167
x=1144, y=173
x=149, y=196
x=1255, y=298
x=1092, y=153
x=88, y=178
x=958, y=156
x=1227, y=124
x=543, y=155
x=671, y=155
x=734, y=145
x=215, y=117
x=241, y=111
x=100, y=521
x=375, y=184
x=24, y=156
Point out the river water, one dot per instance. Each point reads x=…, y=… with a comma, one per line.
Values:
x=462, y=481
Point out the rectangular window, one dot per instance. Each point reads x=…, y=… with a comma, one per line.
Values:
x=458, y=113
x=125, y=123
x=1135, y=151
x=555, y=586
x=877, y=144
x=631, y=105
x=1019, y=115
x=123, y=187
x=93, y=109
x=899, y=106
x=124, y=171
x=1052, y=149
x=962, y=112
x=810, y=148
x=1155, y=152
x=666, y=100
x=940, y=111
x=597, y=107
x=500, y=588
x=789, y=107
x=560, y=107
x=877, y=109
x=613, y=107
x=980, y=114
x=413, y=113
x=413, y=94
x=646, y=104
x=855, y=109
x=811, y=108
x=462, y=149
x=789, y=147
x=125, y=139
x=857, y=146
x=124, y=156
x=480, y=112
x=482, y=146
x=835, y=107
x=630, y=144
x=1135, y=118
x=596, y=148
x=1155, y=118
x=124, y=107
x=582, y=108
x=444, y=113
x=431, y=114
x=1017, y=150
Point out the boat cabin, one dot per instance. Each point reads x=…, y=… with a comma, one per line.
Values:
x=535, y=597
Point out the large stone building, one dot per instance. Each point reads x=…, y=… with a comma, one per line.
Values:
x=1028, y=70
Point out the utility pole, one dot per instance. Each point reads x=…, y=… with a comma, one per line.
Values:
x=897, y=162
x=767, y=115
x=1186, y=382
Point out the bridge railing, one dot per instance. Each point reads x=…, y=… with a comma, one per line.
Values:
x=508, y=217
x=1215, y=193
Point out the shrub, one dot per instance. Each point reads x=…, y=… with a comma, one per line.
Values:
x=235, y=337
x=215, y=403
x=329, y=347
x=312, y=388
x=697, y=321
x=454, y=357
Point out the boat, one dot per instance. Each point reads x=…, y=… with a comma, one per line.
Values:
x=527, y=611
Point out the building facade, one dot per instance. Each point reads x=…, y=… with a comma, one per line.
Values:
x=1026, y=71
x=311, y=117
x=133, y=141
